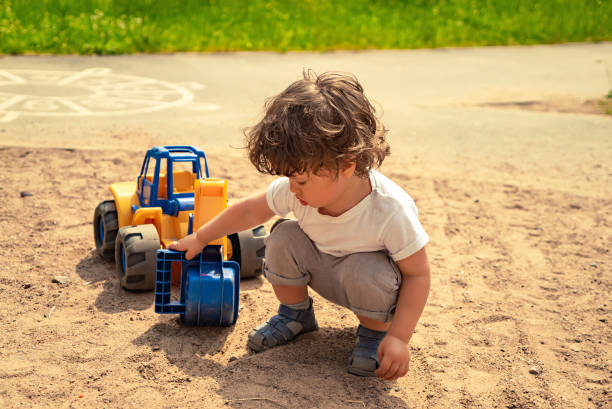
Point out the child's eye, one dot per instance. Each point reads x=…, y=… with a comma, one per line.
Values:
x=301, y=183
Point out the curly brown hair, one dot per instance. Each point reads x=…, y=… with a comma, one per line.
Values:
x=320, y=121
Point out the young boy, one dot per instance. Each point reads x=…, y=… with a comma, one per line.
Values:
x=357, y=240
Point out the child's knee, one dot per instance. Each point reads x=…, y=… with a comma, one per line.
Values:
x=287, y=252
x=283, y=232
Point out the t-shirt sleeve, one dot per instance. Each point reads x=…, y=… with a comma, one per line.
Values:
x=403, y=235
x=279, y=196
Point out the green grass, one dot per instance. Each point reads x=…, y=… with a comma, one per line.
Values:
x=128, y=26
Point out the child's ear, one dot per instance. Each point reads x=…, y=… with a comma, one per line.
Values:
x=347, y=168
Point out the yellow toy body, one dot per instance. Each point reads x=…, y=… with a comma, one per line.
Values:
x=210, y=199
x=172, y=196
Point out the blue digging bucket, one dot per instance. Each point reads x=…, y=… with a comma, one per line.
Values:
x=209, y=287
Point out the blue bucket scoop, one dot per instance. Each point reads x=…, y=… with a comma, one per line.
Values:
x=209, y=291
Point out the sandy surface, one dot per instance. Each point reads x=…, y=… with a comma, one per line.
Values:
x=521, y=281
x=517, y=203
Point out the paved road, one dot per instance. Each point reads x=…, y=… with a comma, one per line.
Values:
x=431, y=99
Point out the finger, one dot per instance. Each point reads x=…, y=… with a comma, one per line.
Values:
x=179, y=246
x=173, y=245
x=403, y=370
x=385, y=364
x=392, y=372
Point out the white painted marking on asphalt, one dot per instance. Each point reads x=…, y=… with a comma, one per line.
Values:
x=81, y=74
x=41, y=104
x=74, y=105
x=103, y=93
x=131, y=83
x=132, y=100
x=16, y=79
x=194, y=86
x=9, y=116
x=103, y=103
x=12, y=101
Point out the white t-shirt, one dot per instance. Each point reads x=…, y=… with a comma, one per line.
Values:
x=385, y=220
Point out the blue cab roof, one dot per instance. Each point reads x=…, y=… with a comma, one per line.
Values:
x=176, y=153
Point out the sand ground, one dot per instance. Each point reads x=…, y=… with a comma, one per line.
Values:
x=518, y=315
x=520, y=281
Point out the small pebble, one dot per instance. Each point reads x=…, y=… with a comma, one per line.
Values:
x=535, y=370
x=25, y=194
x=26, y=286
x=232, y=359
x=593, y=265
x=60, y=280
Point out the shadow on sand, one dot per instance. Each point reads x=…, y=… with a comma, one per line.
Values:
x=114, y=299
x=310, y=372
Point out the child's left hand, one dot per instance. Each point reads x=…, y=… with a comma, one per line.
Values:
x=394, y=357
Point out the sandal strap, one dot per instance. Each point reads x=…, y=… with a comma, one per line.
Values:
x=364, y=359
x=370, y=333
x=282, y=327
x=278, y=329
x=367, y=342
x=293, y=315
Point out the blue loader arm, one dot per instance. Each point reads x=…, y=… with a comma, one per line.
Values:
x=210, y=287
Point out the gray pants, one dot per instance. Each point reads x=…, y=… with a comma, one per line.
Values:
x=366, y=283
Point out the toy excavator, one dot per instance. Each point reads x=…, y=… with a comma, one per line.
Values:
x=173, y=196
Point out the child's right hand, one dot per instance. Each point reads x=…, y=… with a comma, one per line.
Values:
x=189, y=244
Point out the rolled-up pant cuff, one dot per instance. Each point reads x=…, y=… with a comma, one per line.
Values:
x=276, y=279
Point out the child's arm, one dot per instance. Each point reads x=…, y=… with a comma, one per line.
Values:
x=242, y=215
x=393, y=351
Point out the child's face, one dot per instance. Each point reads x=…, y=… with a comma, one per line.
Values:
x=321, y=189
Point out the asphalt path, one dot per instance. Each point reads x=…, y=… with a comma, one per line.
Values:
x=436, y=103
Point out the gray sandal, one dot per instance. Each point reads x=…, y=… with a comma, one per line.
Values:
x=364, y=360
x=282, y=328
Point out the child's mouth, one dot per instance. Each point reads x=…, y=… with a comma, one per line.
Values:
x=303, y=203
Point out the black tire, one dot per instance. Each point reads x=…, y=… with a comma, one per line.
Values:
x=105, y=226
x=135, y=256
x=248, y=250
